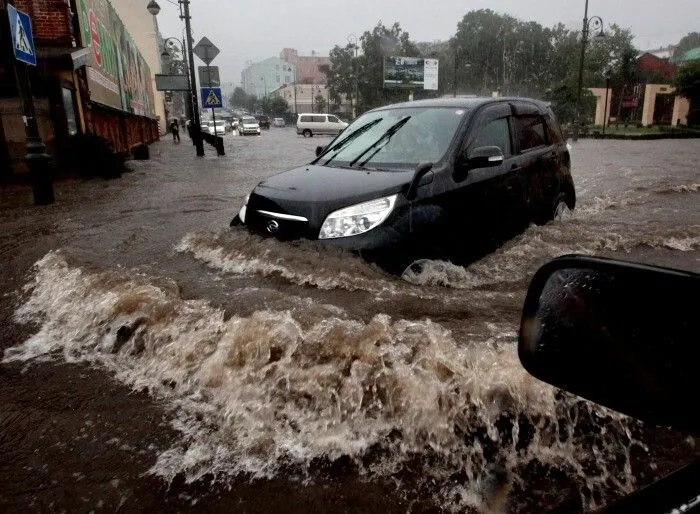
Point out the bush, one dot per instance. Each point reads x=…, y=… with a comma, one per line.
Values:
x=90, y=156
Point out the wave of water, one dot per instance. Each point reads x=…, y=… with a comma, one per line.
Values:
x=263, y=394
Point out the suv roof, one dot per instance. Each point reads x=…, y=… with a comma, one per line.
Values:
x=467, y=103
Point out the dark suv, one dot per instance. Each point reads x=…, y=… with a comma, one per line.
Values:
x=422, y=179
x=263, y=121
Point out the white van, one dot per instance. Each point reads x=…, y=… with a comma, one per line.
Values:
x=310, y=124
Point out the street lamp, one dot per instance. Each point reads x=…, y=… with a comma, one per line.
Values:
x=352, y=41
x=605, y=109
x=594, y=24
x=153, y=8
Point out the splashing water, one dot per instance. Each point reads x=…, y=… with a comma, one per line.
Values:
x=264, y=394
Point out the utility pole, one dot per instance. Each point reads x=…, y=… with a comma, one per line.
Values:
x=38, y=161
x=197, y=129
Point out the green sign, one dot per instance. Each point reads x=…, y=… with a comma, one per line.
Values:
x=118, y=76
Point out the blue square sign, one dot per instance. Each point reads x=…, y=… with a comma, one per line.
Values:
x=22, y=38
x=211, y=97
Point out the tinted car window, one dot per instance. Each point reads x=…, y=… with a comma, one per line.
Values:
x=554, y=130
x=333, y=119
x=319, y=119
x=530, y=132
x=494, y=133
x=305, y=119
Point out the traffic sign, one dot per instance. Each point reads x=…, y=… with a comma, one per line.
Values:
x=206, y=50
x=22, y=39
x=209, y=76
x=211, y=97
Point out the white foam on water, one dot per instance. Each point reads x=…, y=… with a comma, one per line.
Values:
x=298, y=262
x=261, y=395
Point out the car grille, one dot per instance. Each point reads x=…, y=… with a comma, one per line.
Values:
x=277, y=224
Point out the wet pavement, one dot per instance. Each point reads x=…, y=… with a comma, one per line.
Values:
x=158, y=359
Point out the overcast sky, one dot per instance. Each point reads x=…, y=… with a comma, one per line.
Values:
x=254, y=30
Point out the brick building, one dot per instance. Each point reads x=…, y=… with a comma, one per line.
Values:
x=307, y=66
x=90, y=78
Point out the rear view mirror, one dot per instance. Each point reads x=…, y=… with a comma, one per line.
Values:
x=623, y=335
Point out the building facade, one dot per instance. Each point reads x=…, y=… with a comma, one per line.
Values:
x=307, y=66
x=265, y=77
x=303, y=98
x=91, y=77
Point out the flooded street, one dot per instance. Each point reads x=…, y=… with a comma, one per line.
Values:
x=152, y=356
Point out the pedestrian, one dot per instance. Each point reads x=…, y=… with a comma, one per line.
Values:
x=175, y=130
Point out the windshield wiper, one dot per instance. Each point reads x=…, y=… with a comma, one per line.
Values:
x=336, y=147
x=387, y=135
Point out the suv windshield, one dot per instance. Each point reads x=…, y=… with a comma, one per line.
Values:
x=249, y=120
x=422, y=134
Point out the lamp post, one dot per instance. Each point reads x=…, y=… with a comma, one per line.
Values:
x=605, y=109
x=171, y=41
x=184, y=5
x=352, y=40
x=595, y=23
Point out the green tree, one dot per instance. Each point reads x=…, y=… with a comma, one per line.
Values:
x=319, y=103
x=377, y=44
x=688, y=83
x=340, y=73
x=238, y=97
x=274, y=105
x=692, y=40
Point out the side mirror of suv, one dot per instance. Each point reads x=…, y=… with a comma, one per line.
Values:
x=319, y=150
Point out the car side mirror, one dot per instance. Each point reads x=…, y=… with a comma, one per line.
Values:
x=319, y=150
x=620, y=334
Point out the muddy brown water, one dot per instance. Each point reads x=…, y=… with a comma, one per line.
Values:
x=156, y=360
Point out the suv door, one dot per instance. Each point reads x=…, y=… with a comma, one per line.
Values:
x=478, y=201
x=537, y=157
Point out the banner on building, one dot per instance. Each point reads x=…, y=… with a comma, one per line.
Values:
x=118, y=75
x=410, y=72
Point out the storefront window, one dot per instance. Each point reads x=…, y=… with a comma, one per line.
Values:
x=69, y=107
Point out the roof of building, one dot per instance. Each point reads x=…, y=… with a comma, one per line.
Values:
x=691, y=55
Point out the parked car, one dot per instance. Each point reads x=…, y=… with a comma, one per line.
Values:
x=310, y=124
x=248, y=125
x=421, y=178
x=279, y=122
x=263, y=121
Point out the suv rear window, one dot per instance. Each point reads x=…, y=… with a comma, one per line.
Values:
x=305, y=119
x=529, y=132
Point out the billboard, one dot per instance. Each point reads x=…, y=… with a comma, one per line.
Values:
x=118, y=75
x=410, y=72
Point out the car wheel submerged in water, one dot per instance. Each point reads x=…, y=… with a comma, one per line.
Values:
x=422, y=179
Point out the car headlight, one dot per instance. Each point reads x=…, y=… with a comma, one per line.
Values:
x=357, y=219
x=244, y=208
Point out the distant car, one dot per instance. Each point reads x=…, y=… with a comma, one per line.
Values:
x=279, y=122
x=422, y=180
x=248, y=125
x=263, y=121
x=217, y=128
x=309, y=125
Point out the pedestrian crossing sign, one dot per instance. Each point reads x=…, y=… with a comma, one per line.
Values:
x=211, y=97
x=21, y=32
